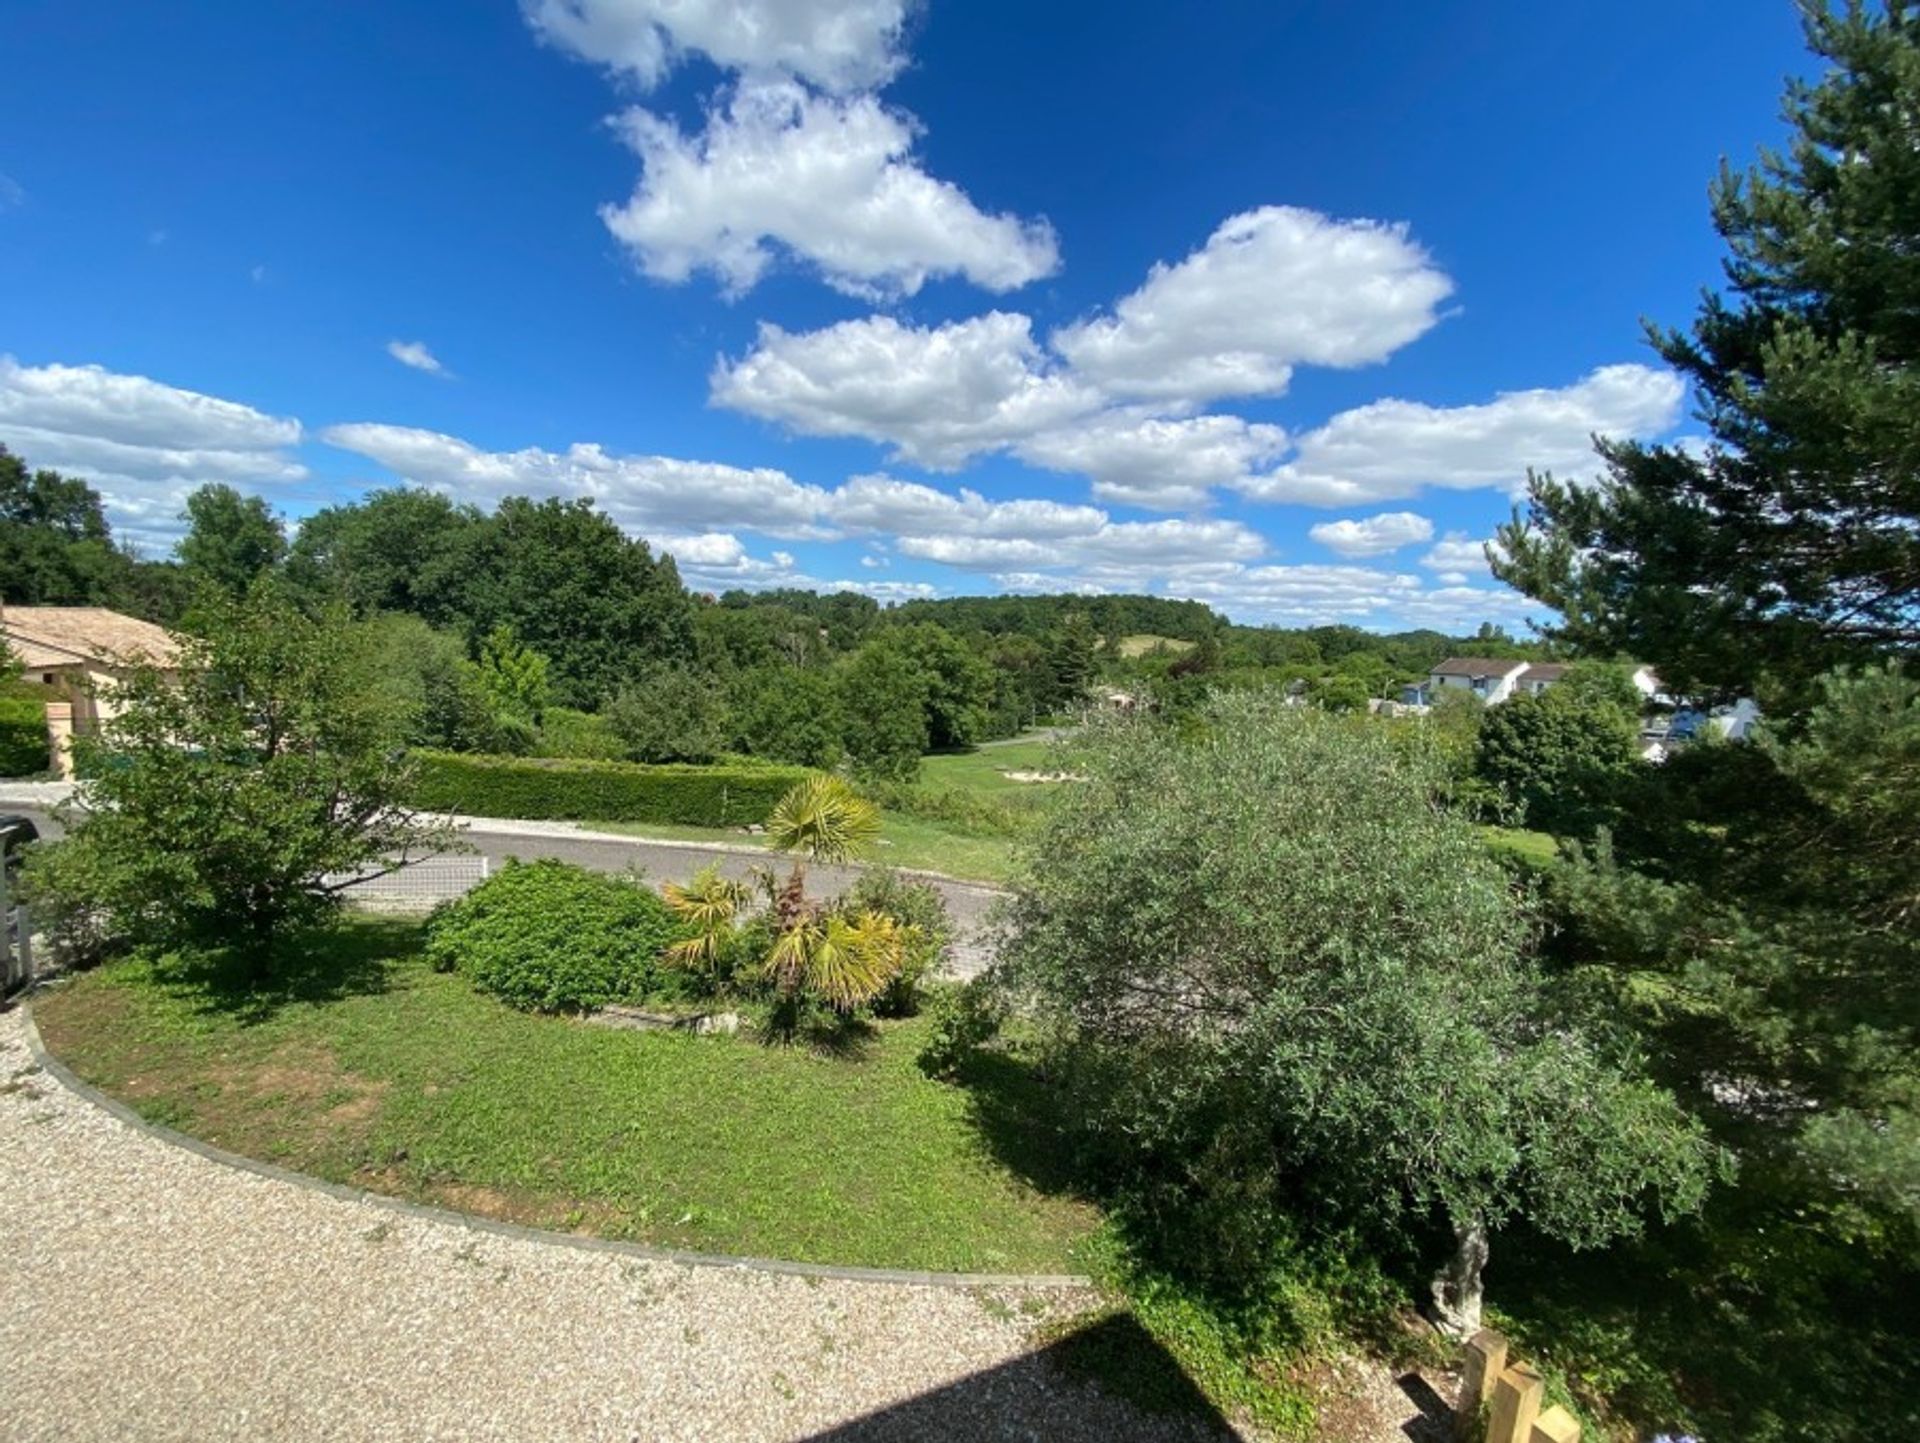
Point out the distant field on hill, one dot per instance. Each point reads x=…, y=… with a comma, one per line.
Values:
x=1142, y=643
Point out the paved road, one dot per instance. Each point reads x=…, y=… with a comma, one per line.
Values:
x=970, y=904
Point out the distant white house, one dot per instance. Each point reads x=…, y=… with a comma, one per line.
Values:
x=1492, y=679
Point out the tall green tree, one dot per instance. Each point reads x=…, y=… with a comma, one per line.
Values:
x=1239, y=1020
x=1561, y=760
x=789, y=714
x=231, y=539
x=392, y=550
x=883, y=706
x=1792, y=543
x=670, y=714
x=241, y=784
x=576, y=588
x=55, y=546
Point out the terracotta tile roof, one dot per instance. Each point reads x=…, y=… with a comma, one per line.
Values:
x=1476, y=666
x=44, y=636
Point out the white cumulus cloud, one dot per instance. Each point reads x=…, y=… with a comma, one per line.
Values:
x=416, y=355
x=1374, y=535
x=936, y=395
x=1271, y=289
x=1166, y=464
x=1392, y=449
x=648, y=495
x=142, y=443
x=830, y=180
x=839, y=45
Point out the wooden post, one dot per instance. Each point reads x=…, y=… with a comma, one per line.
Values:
x=1486, y=1360
x=1516, y=1404
x=1556, y=1425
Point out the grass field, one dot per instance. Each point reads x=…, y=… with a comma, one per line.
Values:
x=365, y=1067
x=904, y=842
x=1141, y=643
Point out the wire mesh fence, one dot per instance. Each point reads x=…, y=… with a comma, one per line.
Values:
x=415, y=888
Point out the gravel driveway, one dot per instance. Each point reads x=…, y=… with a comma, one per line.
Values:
x=147, y=1292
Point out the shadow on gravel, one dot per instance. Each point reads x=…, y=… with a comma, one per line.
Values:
x=1148, y=1397
x=354, y=959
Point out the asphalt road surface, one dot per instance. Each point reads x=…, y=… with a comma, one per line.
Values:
x=969, y=904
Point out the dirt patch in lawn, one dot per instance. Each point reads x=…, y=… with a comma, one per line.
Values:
x=529, y=1208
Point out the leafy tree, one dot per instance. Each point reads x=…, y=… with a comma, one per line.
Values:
x=578, y=590
x=55, y=545
x=432, y=693
x=1793, y=542
x=955, y=685
x=1070, y=654
x=1560, y=760
x=231, y=539
x=513, y=677
x=1339, y=691
x=670, y=714
x=392, y=550
x=884, y=708
x=1248, y=1029
x=788, y=714
x=1603, y=683
x=236, y=790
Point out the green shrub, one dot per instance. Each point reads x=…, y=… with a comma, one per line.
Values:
x=958, y=808
x=552, y=937
x=919, y=907
x=540, y=788
x=580, y=735
x=965, y=1019
x=23, y=737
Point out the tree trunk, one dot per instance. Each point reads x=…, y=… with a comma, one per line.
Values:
x=1456, y=1287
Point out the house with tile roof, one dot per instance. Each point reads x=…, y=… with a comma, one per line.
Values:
x=81, y=653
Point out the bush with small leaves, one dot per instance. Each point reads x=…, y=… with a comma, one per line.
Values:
x=552, y=937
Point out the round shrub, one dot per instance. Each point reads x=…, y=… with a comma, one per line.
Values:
x=552, y=937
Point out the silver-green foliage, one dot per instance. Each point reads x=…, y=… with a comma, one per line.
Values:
x=1272, y=945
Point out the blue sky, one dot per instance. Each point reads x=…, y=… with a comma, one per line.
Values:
x=1270, y=304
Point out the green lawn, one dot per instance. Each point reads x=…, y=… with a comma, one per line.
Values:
x=984, y=769
x=366, y=1067
x=905, y=842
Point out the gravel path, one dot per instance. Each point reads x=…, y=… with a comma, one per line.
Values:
x=149, y=1293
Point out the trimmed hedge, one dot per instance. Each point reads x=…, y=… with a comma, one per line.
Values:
x=553, y=789
x=23, y=737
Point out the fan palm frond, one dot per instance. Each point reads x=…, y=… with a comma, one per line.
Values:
x=825, y=818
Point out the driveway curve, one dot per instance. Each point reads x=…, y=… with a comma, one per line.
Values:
x=150, y=1293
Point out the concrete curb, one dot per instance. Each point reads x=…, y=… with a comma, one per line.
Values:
x=447, y=1217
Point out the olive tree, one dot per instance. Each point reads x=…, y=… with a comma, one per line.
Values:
x=1278, y=926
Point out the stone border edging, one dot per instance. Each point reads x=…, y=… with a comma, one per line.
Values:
x=448, y=1217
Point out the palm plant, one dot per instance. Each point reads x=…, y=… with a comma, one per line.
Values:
x=825, y=818
x=842, y=960
x=708, y=906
